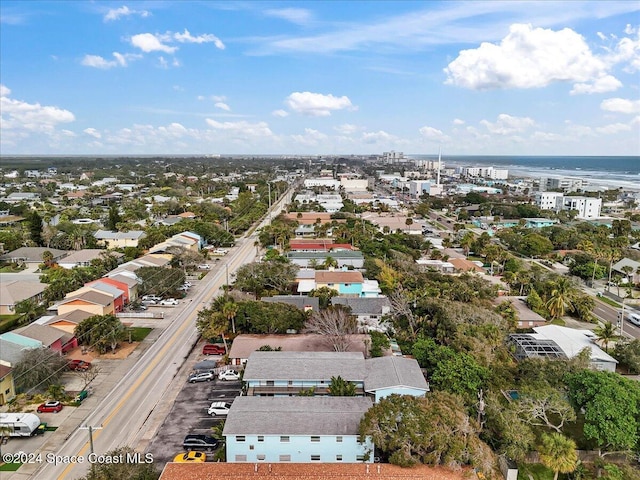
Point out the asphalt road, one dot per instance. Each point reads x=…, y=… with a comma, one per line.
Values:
x=608, y=313
x=123, y=417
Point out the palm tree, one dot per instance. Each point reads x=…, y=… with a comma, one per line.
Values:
x=562, y=294
x=230, y=310
x=558, y=453
x=339, y=387
x=466, y=242
x=606, y=333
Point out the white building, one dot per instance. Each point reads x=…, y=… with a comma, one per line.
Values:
x=354, y=184
x=420, y=187
x=322, y=182
x=549, y=200
x=485, y=172
x=587, y=207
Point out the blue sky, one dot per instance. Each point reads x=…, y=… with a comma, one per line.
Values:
x=205, y=77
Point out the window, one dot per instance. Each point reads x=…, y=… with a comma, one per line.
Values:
x=339, y=439
x=285, y=458
x=315, y=458
x=251, y=447
x=269, y=383
x=260, y=438
x=360, y=458
x=315, y=439
x=241, y=458
x=284, y=438
x=240, y=438
x=338, y=458
x=261, y=456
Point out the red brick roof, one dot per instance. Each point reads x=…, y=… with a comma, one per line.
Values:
x=306, y=471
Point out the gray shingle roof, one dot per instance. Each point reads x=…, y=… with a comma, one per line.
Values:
x=393, y=371
x=299, y=301
x=43, y=333
x=363, y=305
x=305, y=365
x=296, y=415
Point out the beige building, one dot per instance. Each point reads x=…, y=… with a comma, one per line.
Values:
x=7, y=386
x=92, y=302
x=14, y=292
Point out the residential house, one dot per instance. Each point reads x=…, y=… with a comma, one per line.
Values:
x=394, y=375
x=7, y=386
x=13, y=346
x=320, y=245
x=110, y=239
x=439, y=265
x=89, y=301
x=309, y=218
x=369, y=311
x=68, y=321
x=124, y=283
x=120, y=297
x=554, y=341
x=50, y=337
x=632, y=268
x=464, y=265
x=527, y=318
x=341, y=257
x=84, y=257
x=345, y=283
x=302, y=302
x=12, y=293
x=296, y=429
x=32, y=256
x=244, y=345
x=187, y=240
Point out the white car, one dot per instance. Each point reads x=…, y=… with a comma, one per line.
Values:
x=219, y=408
x=169, y=301
x=228, y=375
x=220, y=251
x=204, y=266
x=154, y=298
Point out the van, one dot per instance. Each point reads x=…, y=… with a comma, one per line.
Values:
x=635, y=319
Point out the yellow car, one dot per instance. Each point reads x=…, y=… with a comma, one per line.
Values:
x=191, y=457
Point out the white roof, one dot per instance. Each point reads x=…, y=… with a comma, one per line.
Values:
x=571, y=341
x=305, y=286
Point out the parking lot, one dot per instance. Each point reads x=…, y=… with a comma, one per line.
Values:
x=188, y=415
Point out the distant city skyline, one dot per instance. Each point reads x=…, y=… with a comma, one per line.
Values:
x=306, y=78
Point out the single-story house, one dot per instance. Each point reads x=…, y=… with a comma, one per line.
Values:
x=52, y=338
x=32, y=256
x=120, y=297
x=84, y=257
x=527, y=318
x=341, y=257
x=12, y=293
x=302, y=302
x=439, y=265
x=632, y=267
x=367, y=310
x=12, y=346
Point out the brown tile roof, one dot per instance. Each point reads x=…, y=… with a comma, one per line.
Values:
x=338, y=277
x=91, y=297
x=307, y=471
x=4, y=370
x=465, y=265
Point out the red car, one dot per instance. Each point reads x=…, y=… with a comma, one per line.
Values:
x=54, y=407
x=211, y=349
x=79, y=365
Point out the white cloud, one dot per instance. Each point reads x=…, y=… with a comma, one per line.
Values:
x=629, y=29
x=222, y=106
x=378, y=137
x=601, y=36
x=120, y=60
x=311, y=137
x=148, y=42
x=613, y=128
x=431, y=133
x=294, y=15
x=92, y=132
x=317, y=104
x=620, y=105
x=280, y=113
x=178, y=88
x=186, y=37
x=259, y=129
x=347, y=129
x=23, y=117
x=506, y=124
x=124, y=11
x=457, y=121
x=607, y=83
x=526, y=58
x=218, y=98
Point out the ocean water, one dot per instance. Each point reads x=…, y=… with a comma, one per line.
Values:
x=608, y=171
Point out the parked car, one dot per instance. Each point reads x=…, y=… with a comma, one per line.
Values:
x=220, y=251
x=219, y=408
x=155, y=298
x=191, y=457
x=78, y=365
x=169, y=301
x=199, y=442
x=148, y=302
x=204, y=266
x=54, y=407
x=211, y=349
x=201, y=377
x=228, y=375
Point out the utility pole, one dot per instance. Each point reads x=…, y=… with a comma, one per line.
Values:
x=269, y=212
x=91, y=429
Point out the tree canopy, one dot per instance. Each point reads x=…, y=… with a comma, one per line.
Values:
x=102, y=332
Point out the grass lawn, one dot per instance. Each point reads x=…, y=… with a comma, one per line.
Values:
x=537, y=471
x=608, y=301
x=7, y=322
x=139, y=333
x=9, y=467
x=558, y=321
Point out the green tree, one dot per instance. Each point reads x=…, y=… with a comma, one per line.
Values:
x=34, y=225
x=380, y=343
x=102, y=332
x=37, y=369
x=230, y=310
x=124, y=470
x=628, y=354
x=29, y=309
x=606, y=333
x=558, y=453
x=435, y=430
x=535, y=245
x=339, y=387
x=562, y=294
x=114, y=217
x=612, y=407
x=258, y=278
x=160, y=281
x=324, y=295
